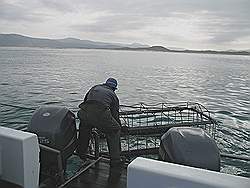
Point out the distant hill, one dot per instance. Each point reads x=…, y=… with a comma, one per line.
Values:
x=163, y=49
x=16, y=40
x=152, y=48
x=24, y=41
x=214, y=52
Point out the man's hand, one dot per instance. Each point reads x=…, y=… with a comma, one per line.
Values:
x=124, y=129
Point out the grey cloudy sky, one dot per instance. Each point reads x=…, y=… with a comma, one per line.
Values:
x=194, y=24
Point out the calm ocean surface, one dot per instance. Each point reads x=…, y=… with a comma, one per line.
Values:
x=32, y=77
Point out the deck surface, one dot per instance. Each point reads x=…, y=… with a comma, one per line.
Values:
x=100, y=176
x=5, y=184
x=97, y=176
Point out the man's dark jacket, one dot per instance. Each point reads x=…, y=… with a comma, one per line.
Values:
x=105, y=95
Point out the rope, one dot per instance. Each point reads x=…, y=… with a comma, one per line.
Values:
x=233, y=156
x=17, y=106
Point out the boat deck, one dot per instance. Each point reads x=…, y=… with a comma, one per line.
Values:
x=100, y=175
x=5, y=184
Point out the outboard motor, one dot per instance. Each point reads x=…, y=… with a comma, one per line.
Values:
x=190, y=146
x=56, y=131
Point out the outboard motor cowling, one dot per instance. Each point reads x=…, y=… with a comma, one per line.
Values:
x=54, y=126
x=56, y=129
x=190, y=146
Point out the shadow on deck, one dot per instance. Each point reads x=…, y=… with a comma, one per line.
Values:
x=100, y=175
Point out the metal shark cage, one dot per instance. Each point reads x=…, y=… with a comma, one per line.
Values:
x=143, y=125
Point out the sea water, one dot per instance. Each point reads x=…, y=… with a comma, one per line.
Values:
x=31, y=77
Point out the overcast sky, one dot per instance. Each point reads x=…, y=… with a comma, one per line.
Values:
x=193, y=24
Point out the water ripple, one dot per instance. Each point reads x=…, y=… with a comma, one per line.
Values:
x=62, y=77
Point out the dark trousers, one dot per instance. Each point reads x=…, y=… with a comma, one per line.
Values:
x=98, y=116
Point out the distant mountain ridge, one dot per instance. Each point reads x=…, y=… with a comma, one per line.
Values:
x=15, y=40
x=163, y=49
x=24, y=41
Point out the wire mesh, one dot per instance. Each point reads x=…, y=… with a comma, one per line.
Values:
x=147, y=123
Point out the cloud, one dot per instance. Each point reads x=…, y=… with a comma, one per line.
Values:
x=61, y=5
x=222, y=28
x=194, y=20
x=23, y=11
x=17, y=12
x=111, y=23
x=191, y=23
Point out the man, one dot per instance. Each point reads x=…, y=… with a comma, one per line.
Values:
x=100, y=109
